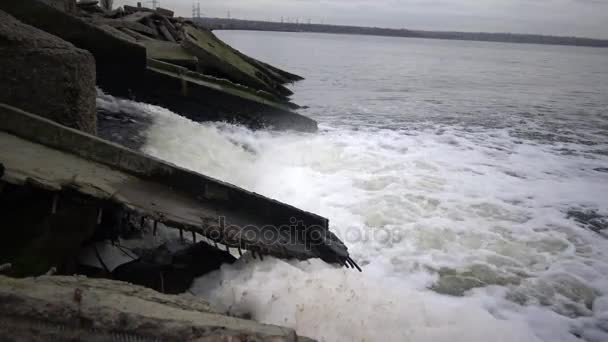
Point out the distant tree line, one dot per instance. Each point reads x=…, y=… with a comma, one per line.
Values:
x=238, y=24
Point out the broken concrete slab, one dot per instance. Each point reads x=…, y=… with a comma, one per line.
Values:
x=215, y=58
x=138, y=16
x=204, y=98
x=171, y=28
x=118, y=33
x=165, y=32
x=77, y=308
x=170, y=53
x=136, y=35
x=120, y=23
x=164, y=12
x=56, y=157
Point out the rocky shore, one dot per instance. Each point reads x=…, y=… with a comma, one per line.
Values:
x=65, y=190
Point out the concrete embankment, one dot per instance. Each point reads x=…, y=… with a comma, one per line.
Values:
x=64, y=190
x=201, y=77
x=36, y=63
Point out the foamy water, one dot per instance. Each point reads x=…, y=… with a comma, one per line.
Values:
x=462, y=230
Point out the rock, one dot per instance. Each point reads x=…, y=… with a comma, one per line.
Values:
x=45, y=75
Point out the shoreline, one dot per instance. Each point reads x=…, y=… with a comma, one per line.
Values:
x=515, y=38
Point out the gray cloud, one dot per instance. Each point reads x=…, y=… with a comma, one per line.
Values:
x=558, y=17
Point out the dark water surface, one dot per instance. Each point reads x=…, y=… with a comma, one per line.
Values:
x=395, y=83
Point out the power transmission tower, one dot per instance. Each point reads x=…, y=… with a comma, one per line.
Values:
x=228, y=14
x=155, y=3
x=196, y=10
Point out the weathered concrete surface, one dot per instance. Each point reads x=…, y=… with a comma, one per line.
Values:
x=118, y=60
x=46, y=75
x=216, y=58
x=122, y=56
x=68, y=6
x=44, y=153
x=170, y=53
x=81, y=309
x=205, y=98
x=124, y=23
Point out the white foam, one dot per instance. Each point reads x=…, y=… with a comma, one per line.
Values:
x=338, y=305
x=408, y=204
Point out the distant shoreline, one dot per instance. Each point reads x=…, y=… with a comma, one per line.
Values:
x=254, y=25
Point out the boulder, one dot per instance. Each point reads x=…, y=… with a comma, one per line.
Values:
x=46, y=75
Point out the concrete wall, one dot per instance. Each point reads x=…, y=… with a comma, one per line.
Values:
x=45, y=75
x=118, y=61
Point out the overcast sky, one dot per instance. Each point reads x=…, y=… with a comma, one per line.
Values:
x=558, y=17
